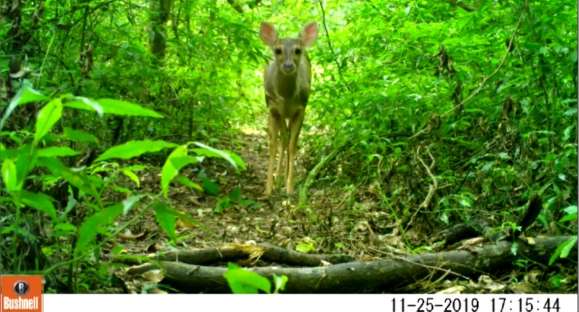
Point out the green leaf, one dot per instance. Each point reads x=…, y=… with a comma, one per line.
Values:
x=40, y=202
x=567, y=246
x=48, y=116
x=174, y=163
x=130, y=202
x=242, y=281
x=82, y=182
x=230, y=157
x=235, y=194
x=115, y=107
x=132, y=176
x=132, y=149
x=563, y=250
x=166, y=218
x=24, y=96
x=222, y=204
x=10, y=176
x=29, y=95
x=80, y=102
x=279, y=283
x=95, y=224
x=79, y=136
x=188, y=183
x=210, y=187
x=57, y=151
x=305, y=246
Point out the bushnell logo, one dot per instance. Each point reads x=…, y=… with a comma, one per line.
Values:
x=21, y=287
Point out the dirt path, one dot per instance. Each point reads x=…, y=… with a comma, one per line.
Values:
x=336, y=220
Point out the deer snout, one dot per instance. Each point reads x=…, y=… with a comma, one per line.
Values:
x=288, y=67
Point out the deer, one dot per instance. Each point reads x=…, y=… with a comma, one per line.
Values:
x=287, y=80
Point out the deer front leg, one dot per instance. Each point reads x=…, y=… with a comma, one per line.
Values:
x=283, y=150
x=273, y=122
x=295, y=128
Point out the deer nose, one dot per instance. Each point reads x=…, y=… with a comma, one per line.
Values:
x=288, y=66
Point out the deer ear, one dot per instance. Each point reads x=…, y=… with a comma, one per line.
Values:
x=267, y=33
x=309, y=34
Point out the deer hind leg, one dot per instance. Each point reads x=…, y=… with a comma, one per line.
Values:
x=295, y=128
x=273, y=122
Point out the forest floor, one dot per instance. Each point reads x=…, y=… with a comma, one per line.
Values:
x=334, y=220
x=337, y=218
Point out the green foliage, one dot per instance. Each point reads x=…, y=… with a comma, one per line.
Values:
x=563, y=250
x=133, y=149
x=35, y=165
x=472, y=106
x=242, y=281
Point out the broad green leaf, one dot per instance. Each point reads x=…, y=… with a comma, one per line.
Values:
x=130, y=202
x=57, y=151
x=64, y=229
x=124, y=108
x=24, y=96
x=80, y=102
x=174, y=163
x=132, y=176
x=188, y=183
x=210, y=187
x=209, y=151
x=115, y=107
x=25, y=161
x=242, y=281
x=133, y=149
x=79, y=136
x=563, y=250
x=235, y=194
x=305, y=246
x=47, y=118
x=29, y=95
x=567, y=246
x=279, y=283
x=40, y=202
x=10, y=175
x=95, y=224
x=77, y=179
x=166, y=218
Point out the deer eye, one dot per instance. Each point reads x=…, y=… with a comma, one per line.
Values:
x=298, y=51
x=277, y=51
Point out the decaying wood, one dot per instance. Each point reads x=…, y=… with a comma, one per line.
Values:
x=239, y=252
x=372, y=276
x=265, y=252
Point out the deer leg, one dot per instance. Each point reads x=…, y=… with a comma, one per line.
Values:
x=295, y=128
x=284, y=137
x=273, y=124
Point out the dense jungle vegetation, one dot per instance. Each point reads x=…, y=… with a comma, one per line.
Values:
x=132, y=128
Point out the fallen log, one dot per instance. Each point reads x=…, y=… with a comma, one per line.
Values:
x=264, y=251
x=384, y=275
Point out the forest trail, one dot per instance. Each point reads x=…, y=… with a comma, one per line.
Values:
x=335, y=220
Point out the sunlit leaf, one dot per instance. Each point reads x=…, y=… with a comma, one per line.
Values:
x=57, y=151
x=130, y=202
x=113, y=107
x=174, y=163
x=93, y=225
x=166, y=218
x=48, y=116
x=40, y=202
x=133, y=149
x=24, y=96
x=79, y=136
x=242, y=281
x=230, y=157
x=10, y=175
